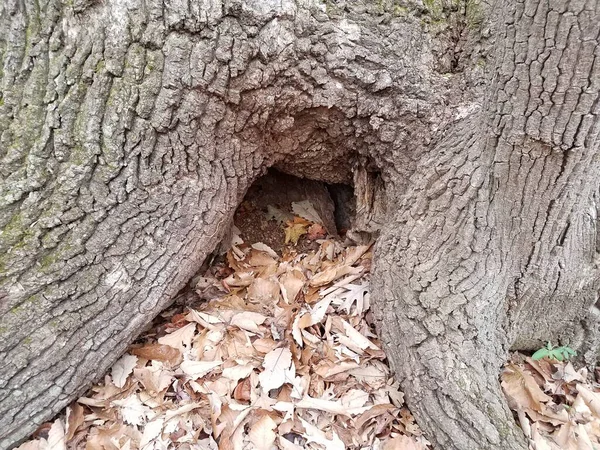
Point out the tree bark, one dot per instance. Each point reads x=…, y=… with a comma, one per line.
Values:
x=130, y=131
x=496, y=246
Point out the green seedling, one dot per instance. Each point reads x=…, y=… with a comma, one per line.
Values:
x=557, y=353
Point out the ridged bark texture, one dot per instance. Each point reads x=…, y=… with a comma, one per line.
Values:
x=130, y=131
x=494, y=244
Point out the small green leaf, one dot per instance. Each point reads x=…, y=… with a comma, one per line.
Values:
x=541, y=353
x=557, y=353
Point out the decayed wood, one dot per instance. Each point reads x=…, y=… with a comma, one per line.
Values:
x=130, y=131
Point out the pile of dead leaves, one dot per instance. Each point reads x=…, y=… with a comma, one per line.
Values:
x=558, y=407
x=282, y=357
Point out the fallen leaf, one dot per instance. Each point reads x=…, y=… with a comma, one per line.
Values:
x=122, y=369
x=316, y=231
x=265, y=248
x=293, y=232
x=313, y=434
x=236, y=373
x=197, y=369
x=522, y=389
x=157, y=352
x=306, y=210
x=276, y=366
x=152, y=430
x=56, y=436
x=402, y=443
x=74, y=419
x=261, y=433
x=181, y=338
x=132, y=410
x=332, y=274
x=277, y=214
x=263, y=290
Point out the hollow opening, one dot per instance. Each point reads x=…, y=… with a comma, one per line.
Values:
x=276, y=198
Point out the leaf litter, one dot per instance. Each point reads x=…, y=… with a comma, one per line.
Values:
x=557, y=407
x=282, y=356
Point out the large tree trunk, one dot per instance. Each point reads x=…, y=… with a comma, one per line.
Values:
x=130, y=131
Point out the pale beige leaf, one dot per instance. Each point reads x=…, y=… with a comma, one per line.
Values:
x=261, y=433
x=155, y=377
x=354, y=398
x=181, y=338
x=265, y=248
x=313, y=434
x=592, y=399
x=258, y=258
x=56, y=436
x=263, y=290
x=264, y=345
x=203, y=318
x=331, y=406
x=152, y=430
x=290, y=285
x=132, y=409
x=353, y=254
x=360, y=340
x=197, y=369
x=540, y=441
x=402, y=443
x=373, y=374
x=277, y=214
x=566, y=437
x=306, y=210
x=237, y=372
x=276, y=365
x=248, y=321
x=122, y=369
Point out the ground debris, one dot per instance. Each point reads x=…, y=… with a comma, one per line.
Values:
x=281, y=356
x=557, y=406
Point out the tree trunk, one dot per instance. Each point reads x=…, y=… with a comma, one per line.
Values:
x=130, y=131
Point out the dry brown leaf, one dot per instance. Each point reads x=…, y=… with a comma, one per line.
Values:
x=332, y=274
x=157, y=352
x=154, y=377
x=374, y=411
x=258, y=258
x=314, y=434
x=520, y=386
x=248, y=321
x=291, y=284
x=152, y=430
x=75, y=419
x=306, y=210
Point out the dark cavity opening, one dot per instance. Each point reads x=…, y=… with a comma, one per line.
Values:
x=276, y=198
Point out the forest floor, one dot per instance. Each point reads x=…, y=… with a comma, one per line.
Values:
x=273, y=347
